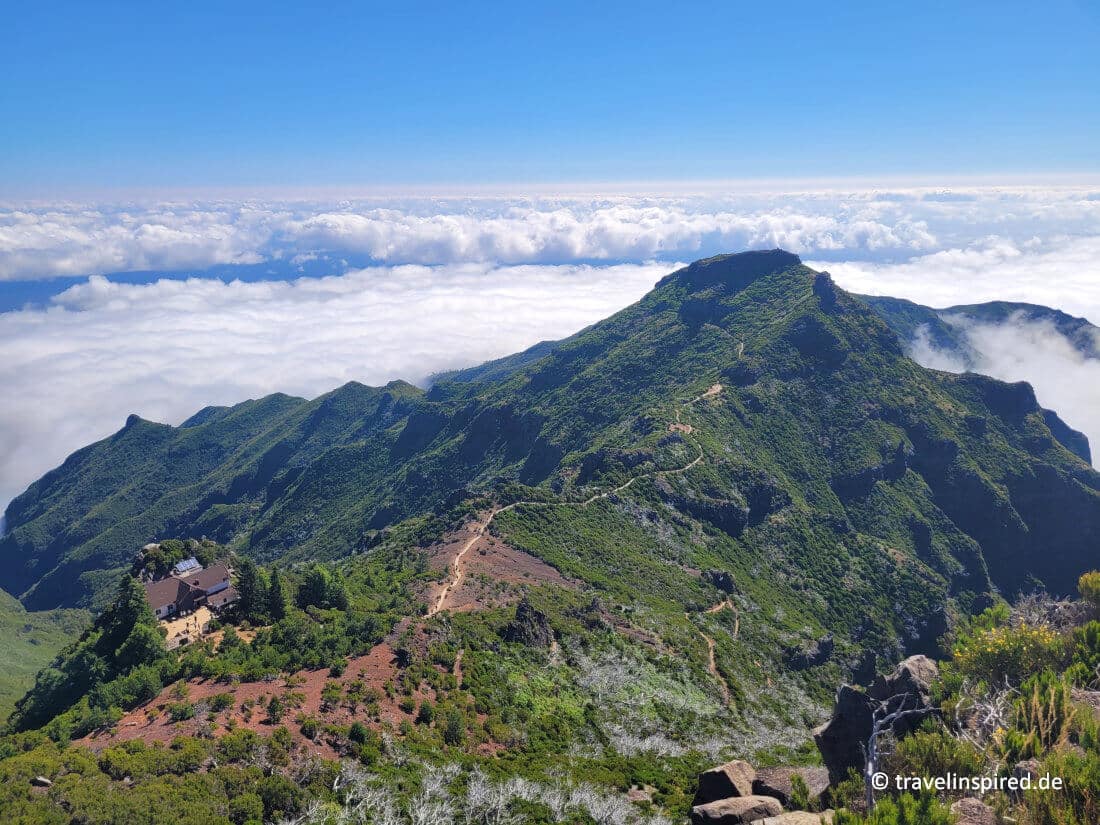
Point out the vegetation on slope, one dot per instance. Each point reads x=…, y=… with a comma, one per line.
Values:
x=747, y=491
x=28, y=641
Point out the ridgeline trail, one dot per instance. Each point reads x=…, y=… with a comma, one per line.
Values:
x=458, y=572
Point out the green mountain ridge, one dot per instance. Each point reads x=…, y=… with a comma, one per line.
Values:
x=945, y=327
x=824, y=424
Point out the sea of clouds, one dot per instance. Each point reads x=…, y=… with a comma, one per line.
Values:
x=441, y=282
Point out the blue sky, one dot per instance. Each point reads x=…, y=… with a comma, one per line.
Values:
x=154, y=95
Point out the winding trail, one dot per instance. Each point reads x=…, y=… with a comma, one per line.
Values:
x=458, y=573
x=712, y=668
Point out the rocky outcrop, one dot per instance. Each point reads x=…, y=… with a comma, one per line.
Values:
x=798, y=818
x=777, y=782
x=971, y=811
x=825, y=290
x=721, y=579
x=842, y=738
x=530, y=627
x=810, y=655
x=738, y=810
x=730, y=780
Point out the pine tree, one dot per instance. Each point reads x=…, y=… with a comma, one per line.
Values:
x=253, y=595
x=129, y=610
x=276, y=596
x=313, y=591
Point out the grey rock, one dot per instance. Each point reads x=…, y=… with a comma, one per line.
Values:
x=842, y=738
x=777, y=781
x=739, y=810
x=797, y=818
x=971, y=811
x=732, y=779
x=41, y=782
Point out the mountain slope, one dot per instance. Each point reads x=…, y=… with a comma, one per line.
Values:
x=827, y=442
x=946, y=328
x=28, y=641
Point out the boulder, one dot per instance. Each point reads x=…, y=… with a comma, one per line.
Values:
x=732, y=779
x=842, y=738
x=530, y=627
x=41, y=782
x=739, y=810
x=914, y=675
x=798, y=818
x=1029, y=768
x=971, y=811
x=777, y=782
x=811, y=654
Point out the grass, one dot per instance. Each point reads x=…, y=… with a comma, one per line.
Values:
x=28, y=642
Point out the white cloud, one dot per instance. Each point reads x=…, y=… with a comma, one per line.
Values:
x=488, y=276
x=1059, y=271
x=73, y=372
x=1064, y=379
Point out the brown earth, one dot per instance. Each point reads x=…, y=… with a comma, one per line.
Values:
x=301, y=693
x=483, y=571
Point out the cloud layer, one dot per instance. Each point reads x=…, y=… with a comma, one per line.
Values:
x=74, y=371
x=82, y=239
x=450, y=282
x=1064, y=379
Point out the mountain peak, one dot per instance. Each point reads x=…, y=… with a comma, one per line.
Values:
x=736, y=270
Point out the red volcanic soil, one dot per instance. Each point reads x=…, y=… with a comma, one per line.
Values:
x=481, y=572
x=301, y=693
x=493, y=573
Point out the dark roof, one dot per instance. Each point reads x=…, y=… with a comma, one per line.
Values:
x=222, y=597
x=186, y=591
x=205, y=579
x=165, y=591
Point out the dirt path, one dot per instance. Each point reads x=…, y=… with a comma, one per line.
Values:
x=456, y=566
x=457, y=571
x=712, y=668
x=712, y=664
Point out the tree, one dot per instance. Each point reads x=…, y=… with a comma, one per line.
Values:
x=143, y=646
x=253, y=596
x=884, y=715
x=129, y=609
x=245, y=808
x=454, y=730
x=276, y=596
x=337, y=594
x=313, y=591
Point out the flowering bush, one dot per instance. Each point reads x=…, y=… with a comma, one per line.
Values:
x=1013, y=653
x=1089, y=587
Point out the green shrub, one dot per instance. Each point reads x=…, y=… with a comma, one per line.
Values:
x=905, y=810
x=179, y=711
x=247, y=807
x=934, y=753
x=1013, y=653
x=1089, y=587
x=1077, y=803
x=426, y=713
x=1044, y=717
x=454, y=730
